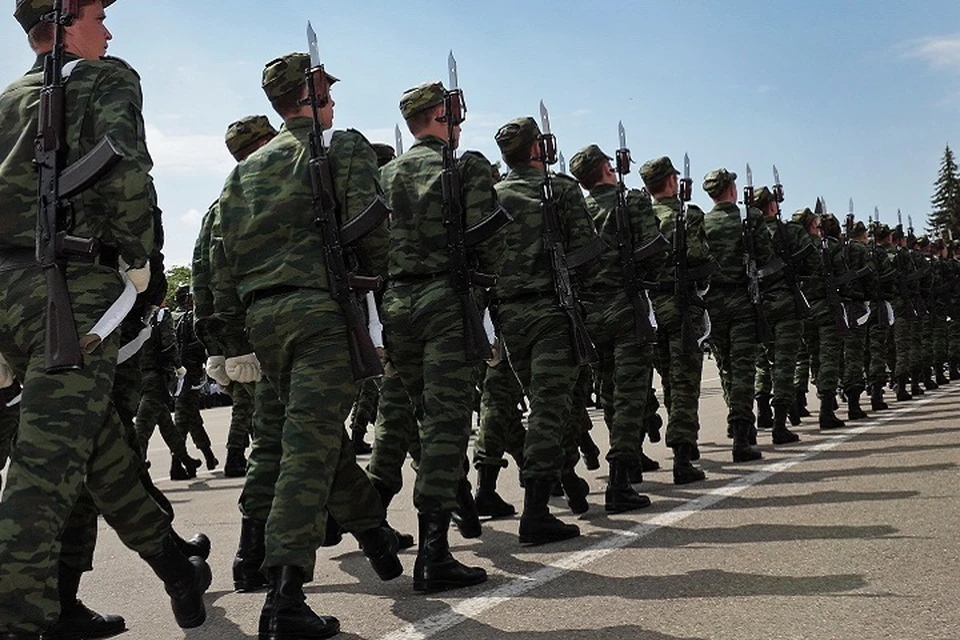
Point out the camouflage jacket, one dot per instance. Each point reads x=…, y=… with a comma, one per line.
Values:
x=698, y=250
x=607, y=272
x=908, y=285
x=205, y=322
x=418, y=237
x=724, y=230
x=786, y=245
x=857, y=256
x=266, y=236
x=103, y=98
x=525, y=269
x=161, y=353
x=828, y=252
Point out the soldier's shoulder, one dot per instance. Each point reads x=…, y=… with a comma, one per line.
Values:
x=349, y=139
x=110, y=67
x=639, y=197
x=694, y=210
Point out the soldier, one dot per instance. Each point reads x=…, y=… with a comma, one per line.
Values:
x=193, y=356
x=879, y=330
x=679, y=365
x=857, y=292
x=424, y=318
x=625, y=357
x=953, y=327
x=70, y=437
x=273, y=295
x=534, y=330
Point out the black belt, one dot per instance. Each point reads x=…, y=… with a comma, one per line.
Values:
x=414, y=278
x=17, y=258
x=270, y=292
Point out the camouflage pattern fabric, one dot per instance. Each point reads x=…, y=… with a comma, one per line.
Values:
x=859, y=292
x=241, y=416
x=263, y=461
x=501, y=419
x=395, y=434
x=187, y=417
x=820, y=332
x=578, y=420
x=365, y=405
x=906, y=325
x=206, y=322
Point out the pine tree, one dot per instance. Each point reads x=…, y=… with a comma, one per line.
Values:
x=946, y=198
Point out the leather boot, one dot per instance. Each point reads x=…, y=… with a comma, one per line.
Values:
x=465, y=516
x=828, y=419
x=743, y=451
x=489, y=502
x=928, y=381
x=250, y=554
x=185, y=581
x=76, y=621
x=198, y=545
x=915, y=388
x=781, y=434
x=285, y=614
x=646, y=464
x=802, y=405
x=556, y=491
x=876, y=397
x=209, y=458
x=854, y=412
x=178, y=471
x=764, y=413
x=955, y=369
x=684, y=471
x=902, y=392
x=576, y=489
x=652, y=425
x=436, y=569
x=938, y=375
x=360, y=446
x=620, y=496
x=236, y=464
x=386, y=496
x=537, y=524
x=380, y=545
x=590, y=451
x=333, y=532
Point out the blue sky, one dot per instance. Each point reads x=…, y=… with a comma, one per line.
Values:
x=849, y=99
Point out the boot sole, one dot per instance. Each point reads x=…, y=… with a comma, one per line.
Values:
x=620, y=508
x=299, y=636
x=421, y=586
x=536, y=541
x=746, y=458
x=249, y=587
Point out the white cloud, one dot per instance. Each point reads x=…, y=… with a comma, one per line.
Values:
x=940, y=52
x=188, y=154
x=192, y=218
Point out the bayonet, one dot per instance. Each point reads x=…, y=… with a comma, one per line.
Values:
x=749, y=176
x=398, y=140
x=820, y=208
x=544, y=119
x=623, y=135
x=312, y=46
x=452, y=70
x=562, y=161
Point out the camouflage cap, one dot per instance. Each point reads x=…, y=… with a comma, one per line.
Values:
x=423, y=96
x=29, y=12
x=762, y=198
x=286, y=73
x=244, y=133
x=717, y=180
x=804, y=216
x=586, y=160
x=882, y=232
x=385, y=153
x=898, y=234
x=858, y=229
x=923, y=241
x=657, y=169
x=516, y=134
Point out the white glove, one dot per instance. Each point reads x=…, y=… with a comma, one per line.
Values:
x=245, y=368
x=217, y=369
x=181, y=372
x=140, y=277
x=6, y=374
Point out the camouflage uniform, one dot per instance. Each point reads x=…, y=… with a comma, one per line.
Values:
x=857, y=292
x=907, y=316
x=878, y=334
x=501, y=419
x=396, y=433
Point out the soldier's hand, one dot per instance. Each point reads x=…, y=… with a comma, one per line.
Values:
x=388, y=368
x=181, y=372
x=6, y=374
x=140, y=277
x=217, y=369
x=245, y=368
x=495, y=354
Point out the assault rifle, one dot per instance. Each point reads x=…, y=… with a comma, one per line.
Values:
x=584, y=351
x=681, y=274
x=764, y=333
x=464, y=278
x=830, y=283
x=790, y=262
x=343, y=282
x=56, y=185
x=904, y=256
x=642, y=327
x=879, y=257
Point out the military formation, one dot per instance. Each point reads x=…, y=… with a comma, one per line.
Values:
x=338, y=283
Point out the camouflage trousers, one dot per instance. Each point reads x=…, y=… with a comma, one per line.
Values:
x=501, y=419
x=823, y=343
x=365, y=406
x=69, y=437
x=938, y=327
x=734, y=344
x=263, y=461
x=301, y=341
x=537, y=336
x=424, y=337
x=777, y=360
x=396, y=433
x=241, y=415
x=801, y=376
x=854, y=346
x=579, y=420
x=187, y=416
x=154, y=410
x=876, y=354
x=903, y=329
x=626, y=369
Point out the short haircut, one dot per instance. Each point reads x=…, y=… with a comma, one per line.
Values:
x=289, y=102
x=658, y=185
x=41, y=35
x=592, y=178
x=422, y=119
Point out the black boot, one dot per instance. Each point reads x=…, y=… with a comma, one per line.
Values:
x=828, y=419
x=928, y=381
x=647, y=464
x=576, y=489
x=590, y=451
x=489, y=502
x=360, y=446
x=198, y=545
x=436, y=569
x=938, y=375
x=236, y=464
x=185, y=581
x=537, y=524
x=405, y=539
x=876, y=397
x=380, y=545
x=902, y=392
x=209, y=458
x=178, y=471
x=793, y=413
x=333, y=532
x=652, y=425
x=743, y=451
x=802, y=405
x=465, y=516
x=76, y=621
x=620, y=496
x=854, y=412
x=764, y=413
x=684, y=471
x=915, y=389
x=781, y=434
x=285, y=614
x=955, y=369
x=250, y=554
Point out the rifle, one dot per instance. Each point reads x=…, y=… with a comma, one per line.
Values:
x=764, y=333
x=56, y=184
x=800, y=302
x=883, y=314
x=584, y=351
x=643, y=329
x=681, y=283
x=902, y=282
x=364, y=360
x=476, y=344
x=829, y=282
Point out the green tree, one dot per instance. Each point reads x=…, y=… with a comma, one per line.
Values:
x=176, y=276
x=945, y=214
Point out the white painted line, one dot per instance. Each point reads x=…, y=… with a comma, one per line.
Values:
x=477, y=605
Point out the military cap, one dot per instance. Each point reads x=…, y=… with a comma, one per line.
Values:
x=898, y=234
x=955, y=245
x=517, y=134
x=182, y=294
x=29, y=12
x=882, y=232
x=804, y=216
x=858, y=229
x=286, y=73
x=923, y=241
x=423, y=96
x=717, y=180
x=244, y=133
x=586, y=160
x=657, y=169
x=762, y=198
x=385, y=153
